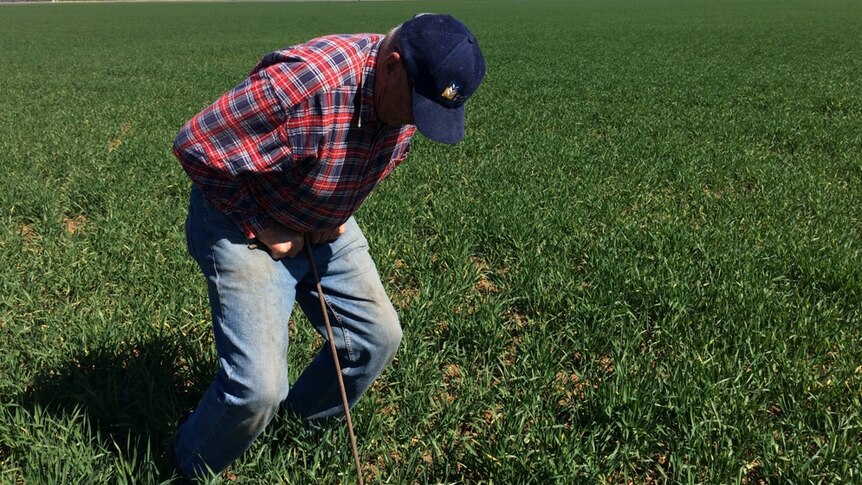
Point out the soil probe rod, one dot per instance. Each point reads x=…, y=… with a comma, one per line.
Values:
x=331, y=337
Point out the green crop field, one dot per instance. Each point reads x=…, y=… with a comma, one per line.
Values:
x=642, y=265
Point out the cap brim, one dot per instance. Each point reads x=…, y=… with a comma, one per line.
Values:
x=441, y=124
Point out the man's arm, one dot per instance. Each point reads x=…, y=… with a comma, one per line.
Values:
x=226, y=144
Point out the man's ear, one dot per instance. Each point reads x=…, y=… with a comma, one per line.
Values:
x=392, y=62
x=391, y=72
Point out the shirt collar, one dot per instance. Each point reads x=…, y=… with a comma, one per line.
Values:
x=369, y=72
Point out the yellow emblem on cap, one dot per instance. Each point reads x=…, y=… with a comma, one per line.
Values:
x=450, y=92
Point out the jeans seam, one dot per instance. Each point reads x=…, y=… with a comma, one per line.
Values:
x=348, y=349
x=345, y=334
x=190, y=245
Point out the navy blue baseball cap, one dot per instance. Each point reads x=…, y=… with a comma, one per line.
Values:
x=446, y=66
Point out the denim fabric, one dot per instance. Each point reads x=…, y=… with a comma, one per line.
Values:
x=251, y=298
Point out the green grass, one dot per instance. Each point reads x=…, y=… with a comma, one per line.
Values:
x=643, y=263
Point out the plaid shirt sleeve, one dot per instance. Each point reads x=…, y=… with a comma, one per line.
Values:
x=230, y=142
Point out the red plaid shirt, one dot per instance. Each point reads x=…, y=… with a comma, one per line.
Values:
x=298, y=142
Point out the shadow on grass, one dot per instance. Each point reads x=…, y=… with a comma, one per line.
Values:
x=131, y=393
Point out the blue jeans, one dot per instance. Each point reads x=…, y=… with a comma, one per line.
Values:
x=251, y=298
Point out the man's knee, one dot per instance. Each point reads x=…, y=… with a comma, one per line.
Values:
x=264, y=401
x=258, y=396
x=393, y=334
x=387, y=333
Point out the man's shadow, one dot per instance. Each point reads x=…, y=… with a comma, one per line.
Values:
x=131, y=393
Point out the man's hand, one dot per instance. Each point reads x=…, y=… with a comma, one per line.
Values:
x=281, y=241
x=326, y=236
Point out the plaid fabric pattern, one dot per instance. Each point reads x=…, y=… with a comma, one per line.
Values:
x=298, y=141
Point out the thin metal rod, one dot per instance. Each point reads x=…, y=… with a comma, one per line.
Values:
x=331, y=337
